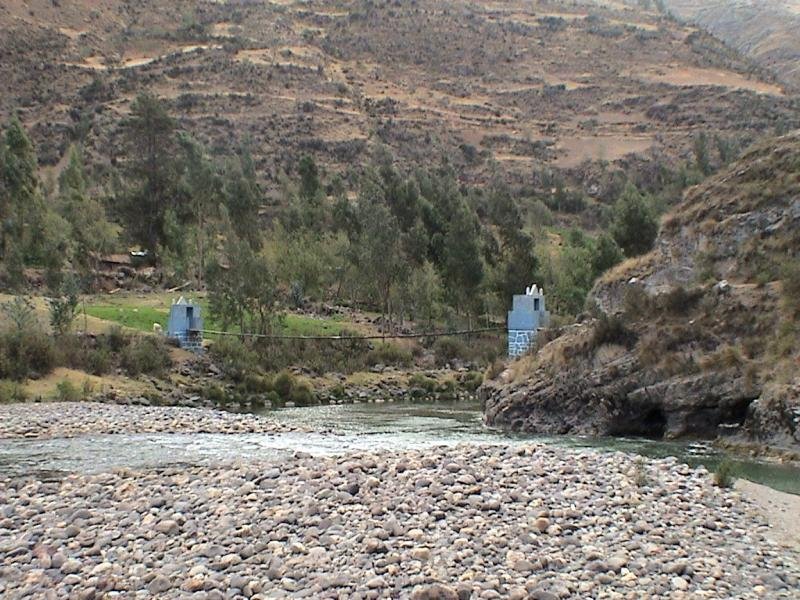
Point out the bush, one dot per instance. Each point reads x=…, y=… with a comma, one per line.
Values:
x=446, y=387
x=493, y=370
x=318, y=356
x=389, y=354
x=116, y=339
x=99, y=361
x=302, y=393
x=423, y=382
x=256, y=384
x=146, y=355
x=611, y=330
x=273, y=399
x=679, y=300
x=471, y=381
x=448, y=349
x=790, y=276
x=235, y=358
x=283, y=384
x=636, y=302
x=215, y=394
x=723, y=474
x=635, y=226
x=11, y=391
x=67, y=392
x=26, y=353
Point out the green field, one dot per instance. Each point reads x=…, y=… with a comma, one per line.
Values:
x=140, y=314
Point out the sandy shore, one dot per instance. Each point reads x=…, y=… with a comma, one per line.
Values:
x=781, y=511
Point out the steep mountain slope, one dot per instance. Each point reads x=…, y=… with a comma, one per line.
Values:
x=699, y=337
x=766, y=30
x=528, y=84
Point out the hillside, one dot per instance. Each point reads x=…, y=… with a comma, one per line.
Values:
x=697, y=338
x=530, y=85
x=764, y=31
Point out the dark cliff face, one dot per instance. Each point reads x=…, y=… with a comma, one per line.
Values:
x=696, y=338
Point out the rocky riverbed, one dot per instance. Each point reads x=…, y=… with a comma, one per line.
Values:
x=70, y=419
x=469, y=521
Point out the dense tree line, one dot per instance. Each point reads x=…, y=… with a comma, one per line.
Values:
x=412, y=245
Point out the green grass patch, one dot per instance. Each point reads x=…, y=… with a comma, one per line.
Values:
x=140, y=319
x=303, y=325
x=142, y=315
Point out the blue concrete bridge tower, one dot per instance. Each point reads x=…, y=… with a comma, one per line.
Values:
x=527, y=315
x=186, y=325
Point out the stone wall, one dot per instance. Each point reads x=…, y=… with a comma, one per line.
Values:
x=519, y=341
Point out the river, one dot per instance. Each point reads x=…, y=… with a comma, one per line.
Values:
x=350, y=427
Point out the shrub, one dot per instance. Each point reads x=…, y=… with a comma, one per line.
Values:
x=215, y=394
x=116, y=339
x=146, y=355
x=635, y=226
x=274, y=399
x=611, y=330
x=493, y=370
x=790, y=276
x=99, y=361
x=302, y=393
x=11, y=391
x=636, y=302
x=640, y=477
x=723, y=474
x=256, y=384
x=679, y=300
x=283, y=384
x=66, y=391
x=471, y=381
x=26, y=353
x=447, y=386
x=448, y=349
x=389, y=354
x=235, y=358
x=62, y=311
x=726, y=357
x=423, y=382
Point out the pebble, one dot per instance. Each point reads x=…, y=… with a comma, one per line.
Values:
x=71, y=419
x=470, y=521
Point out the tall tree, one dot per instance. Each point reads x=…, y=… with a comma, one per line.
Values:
x=463, y=269
x=21, y=204
x=377, y=248
x=241, y=288
x=634, y=226
x=150, y=133
x=200, y=182
x=243, y=197
x=89, y=227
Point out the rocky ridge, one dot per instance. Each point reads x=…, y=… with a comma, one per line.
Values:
x=693, y=339
x=446, y=523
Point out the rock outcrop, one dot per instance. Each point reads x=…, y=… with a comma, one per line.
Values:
x=700, y=337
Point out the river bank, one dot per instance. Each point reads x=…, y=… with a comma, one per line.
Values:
x=467, y=521
x=70, y=419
